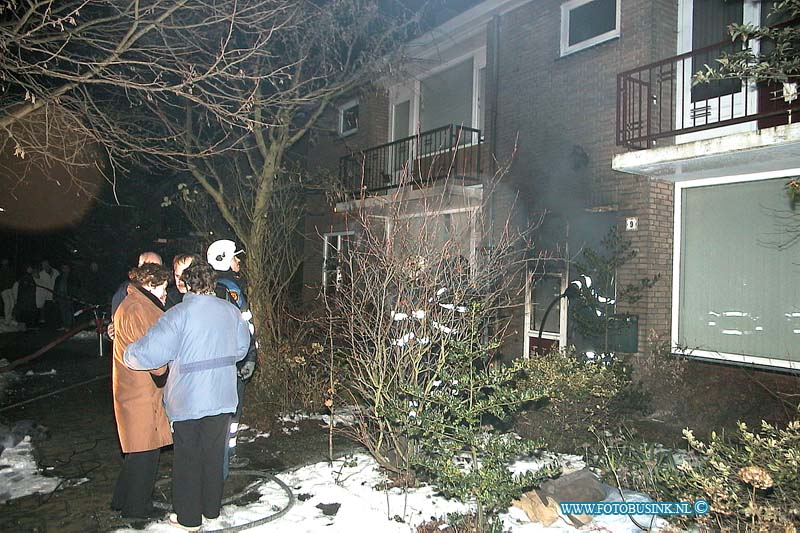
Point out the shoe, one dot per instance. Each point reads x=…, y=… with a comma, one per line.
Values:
x=238, y=462
x=173, y=521
x=150, y=514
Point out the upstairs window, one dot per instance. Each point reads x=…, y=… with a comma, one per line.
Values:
x=447, y=97
x=348, y=118
x=585, y=23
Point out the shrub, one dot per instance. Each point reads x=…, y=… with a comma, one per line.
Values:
x=581, y=395
x=750, y=481
x=297, y=378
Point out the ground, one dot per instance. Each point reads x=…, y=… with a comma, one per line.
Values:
x=83, y=444
x=68, y=391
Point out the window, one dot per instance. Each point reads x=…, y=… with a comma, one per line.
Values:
x=348, y=118
x=446, y=97
x=585, y=23
x=451, y=95
x=542, y=290
x=736, y=298
x=546, y=290
x=334, y=254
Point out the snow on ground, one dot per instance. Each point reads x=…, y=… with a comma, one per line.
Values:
x=51, y=372
x=19, y=475
x=343, y=498
x=344, y=416
x=87, y=334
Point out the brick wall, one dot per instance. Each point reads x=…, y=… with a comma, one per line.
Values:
x=552, y=119
x=556, y=117
x=324, y=146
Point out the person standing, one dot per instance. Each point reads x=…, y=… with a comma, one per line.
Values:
x=222, y=255
x=142, y=423
x=175, y=292
x=7, y=280
x=202, y=339
x=122, y=290
x=63, y=298
x=26, y=310
x=45, y=283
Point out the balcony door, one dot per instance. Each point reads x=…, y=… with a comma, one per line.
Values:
x=542, y=290
x=703, y=25
x=436, y=111
x=401, y=153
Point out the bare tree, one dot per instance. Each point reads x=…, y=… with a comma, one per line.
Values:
x=75, y=74
x=236, y=140
x=415, y=281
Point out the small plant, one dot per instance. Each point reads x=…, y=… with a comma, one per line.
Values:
x=581, y=395
x=594, y=314
x=751, y=481
x=455, y=425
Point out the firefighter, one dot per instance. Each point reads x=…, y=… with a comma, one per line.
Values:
x=222, y=255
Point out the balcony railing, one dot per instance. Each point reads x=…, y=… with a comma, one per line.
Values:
x=420, y=160
x=658, y=100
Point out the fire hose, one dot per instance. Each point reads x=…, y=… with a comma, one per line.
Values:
x=98, y=322
x=260, y=475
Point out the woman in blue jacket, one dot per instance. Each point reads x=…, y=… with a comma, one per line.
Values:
x=201, y=339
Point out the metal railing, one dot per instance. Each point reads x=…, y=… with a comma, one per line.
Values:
x=451, y=151
x=658, y=100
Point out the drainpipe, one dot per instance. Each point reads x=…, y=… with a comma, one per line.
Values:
x=494, y=42
x=495, y=62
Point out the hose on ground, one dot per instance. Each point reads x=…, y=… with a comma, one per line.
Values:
x=247, y=525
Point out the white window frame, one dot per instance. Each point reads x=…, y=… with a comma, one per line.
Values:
x=530, y=331
x=566, y=9
x=342, y=109
x=472, y=213
x=683, y=84
x=338, y=235
x=676, y=272
x=413, y=91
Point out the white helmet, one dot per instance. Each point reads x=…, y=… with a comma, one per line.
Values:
x=220, y=254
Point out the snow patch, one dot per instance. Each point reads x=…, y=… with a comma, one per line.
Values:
x=19, y=475
x=351, y=484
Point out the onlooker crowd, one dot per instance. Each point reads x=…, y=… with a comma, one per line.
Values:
x=183, y=352
x=43, y=296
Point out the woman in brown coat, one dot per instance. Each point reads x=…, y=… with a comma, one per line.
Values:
x=142, y=423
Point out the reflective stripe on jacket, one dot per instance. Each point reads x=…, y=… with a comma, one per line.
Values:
x=202, y=339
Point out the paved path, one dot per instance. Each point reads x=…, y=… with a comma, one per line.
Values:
x=83, y=449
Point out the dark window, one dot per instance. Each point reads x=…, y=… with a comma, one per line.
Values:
x=348, y=119
x=592, y=19
x=710, y=21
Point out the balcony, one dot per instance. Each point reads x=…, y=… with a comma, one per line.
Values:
x=657, y=102
x=450, y=152
x=679, y=132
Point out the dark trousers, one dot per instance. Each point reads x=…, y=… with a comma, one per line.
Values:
x=230, y=445
x=197, y=470
x=134, y=490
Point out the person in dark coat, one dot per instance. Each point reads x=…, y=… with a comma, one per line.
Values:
x=142, y=422
x=7, y=280
x=202, y=339
x=62, y=296
x=177, y=289
x=26, y=309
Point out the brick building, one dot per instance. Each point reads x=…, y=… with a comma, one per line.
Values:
x=590, y=103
